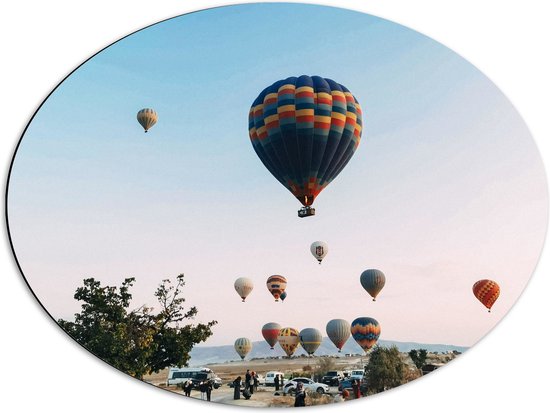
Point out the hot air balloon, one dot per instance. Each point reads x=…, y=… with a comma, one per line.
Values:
x=289, y=339
x=270, y=331
x=147, y=118
x=310, y=339
x=243, y=347
x=365, y=331
x=338, y=331
x=276, y=285
x=283, y=296
x=319, y=249
x=305, y=130
x=487, y=292
x=243, y=286
x=373, y=281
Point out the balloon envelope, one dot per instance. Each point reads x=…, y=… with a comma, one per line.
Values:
x=310, y=339
x=270, y=331
x=365, y=331
x=243, y=286
x=305, y=130
x=147, y=118
x=283, y=296
x=319, y=249
x=276, y=285
x=289, y=339
x=338, y=331
x=243, y=346
x=373, y=281
x=487, y=292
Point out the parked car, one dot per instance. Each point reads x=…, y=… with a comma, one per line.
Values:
x=177, y=375
x=348, y=385
x=270, y=377
x=332, y=378
x=357, y=375
x=309, y=385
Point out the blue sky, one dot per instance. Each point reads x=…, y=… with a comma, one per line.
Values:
x=446, y=187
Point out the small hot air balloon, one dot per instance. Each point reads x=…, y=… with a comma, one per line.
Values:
x=373, y=281
x=276, y=285
x=487, y=292
x=319, y=249
x=283, y=296
x=243, y=347
x=365, y=331
x=270, y=331
x=305, y=130
x=310, y=339
x=338, y=331
x=147, y=118
x=289, y=340
x=243, y=286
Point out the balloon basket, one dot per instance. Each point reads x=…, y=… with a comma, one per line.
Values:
x=306, y=212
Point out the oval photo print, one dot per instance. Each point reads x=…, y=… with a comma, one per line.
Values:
x=277, y=205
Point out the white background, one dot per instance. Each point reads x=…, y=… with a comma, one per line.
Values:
x=42, y=42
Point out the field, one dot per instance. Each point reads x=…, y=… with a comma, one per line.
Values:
x=295, y=367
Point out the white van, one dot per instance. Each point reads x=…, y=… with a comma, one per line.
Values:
x=270, y=377
x=178, y=375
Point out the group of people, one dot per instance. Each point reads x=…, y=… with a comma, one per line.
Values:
x=250, y=385
x=205, y=388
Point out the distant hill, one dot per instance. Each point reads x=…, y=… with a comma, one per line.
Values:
x=260, y=349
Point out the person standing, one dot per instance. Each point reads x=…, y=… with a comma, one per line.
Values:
x=254, y=381
x=356, y=389
x=251, y=385
x=282, y=381
x=187, y=388
x=202, y=388
x=276, y=380
x=247, y=378
x=208, y=389
x=237, y=388
x=300, y=398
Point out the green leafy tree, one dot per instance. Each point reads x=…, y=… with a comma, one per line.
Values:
x=385, y=369
x=139, y=341
x=419, y=358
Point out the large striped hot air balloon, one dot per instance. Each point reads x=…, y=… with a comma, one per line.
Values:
x=487, y=292
x=276, y=285
x=289, y=339
x=338, y=331
x=270, y=331
x=305, y=130
x=365, y=331
x=373, y=281
x=310, y=339
x=147, y=118
x=243, y=286
x=243, y=347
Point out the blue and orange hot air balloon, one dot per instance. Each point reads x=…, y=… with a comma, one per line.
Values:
x=487, y=292
x=365, y=331
x=305, y=130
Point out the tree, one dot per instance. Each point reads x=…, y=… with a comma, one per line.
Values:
x=140, y=341
x=385, y=369
x=419, y=358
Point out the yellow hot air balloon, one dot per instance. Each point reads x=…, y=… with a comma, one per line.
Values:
x=147, y=118
x=243, y=346
x=289, y=340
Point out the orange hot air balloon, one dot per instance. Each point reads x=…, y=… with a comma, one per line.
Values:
x=487, y=292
